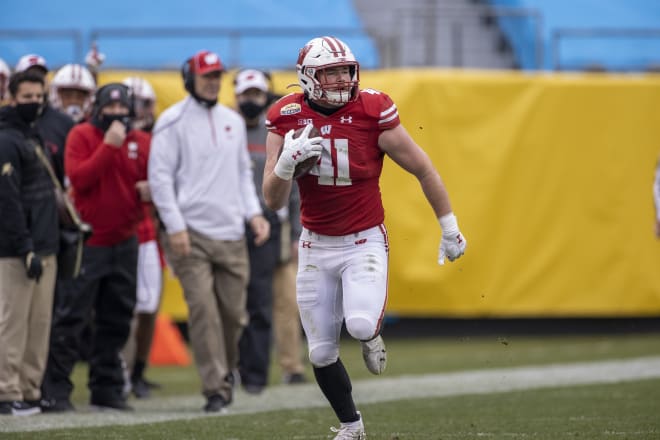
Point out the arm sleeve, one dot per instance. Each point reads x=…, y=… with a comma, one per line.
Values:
x=12, y=220
x=84, y=169
x=162, y=167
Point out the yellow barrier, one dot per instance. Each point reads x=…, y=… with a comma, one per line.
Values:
x=550, y=177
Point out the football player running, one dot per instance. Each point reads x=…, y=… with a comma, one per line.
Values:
x=343, y=253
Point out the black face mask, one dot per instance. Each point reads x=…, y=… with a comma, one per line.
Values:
x=148, y=126
x=250, y=109
x=105, y=121
x=29, y=112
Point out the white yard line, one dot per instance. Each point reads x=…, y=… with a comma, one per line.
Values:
x=366, y=391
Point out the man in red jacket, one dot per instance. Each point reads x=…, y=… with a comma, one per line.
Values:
x=106, y=163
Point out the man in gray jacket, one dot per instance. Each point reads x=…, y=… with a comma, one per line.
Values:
x=202, y=185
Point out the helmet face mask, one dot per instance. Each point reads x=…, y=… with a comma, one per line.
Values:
x=316, y=60
x=74, y=102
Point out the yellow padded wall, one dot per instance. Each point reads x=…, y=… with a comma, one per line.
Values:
x=549, y=175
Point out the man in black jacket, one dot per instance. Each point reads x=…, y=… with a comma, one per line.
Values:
x=53, y=125
x=28, y=245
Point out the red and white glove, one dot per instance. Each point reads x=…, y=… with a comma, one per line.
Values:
x=295, y=151
x=452, y=244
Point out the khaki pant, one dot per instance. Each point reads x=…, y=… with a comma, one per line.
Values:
x=214, y=279
x=286, y=322
x=25, y=314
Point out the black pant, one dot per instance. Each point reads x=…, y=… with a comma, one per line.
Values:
x=105, y=293
x=254, y=345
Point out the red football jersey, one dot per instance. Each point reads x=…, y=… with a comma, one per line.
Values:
x=341, y=194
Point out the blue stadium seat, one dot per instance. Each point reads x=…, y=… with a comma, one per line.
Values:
x=582, y=34
x=265, y=34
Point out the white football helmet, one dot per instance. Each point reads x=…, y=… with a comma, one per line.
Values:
x=144, y=102
x=5, y=73
x=73, y=77
x=140, y=88
x=322, y=53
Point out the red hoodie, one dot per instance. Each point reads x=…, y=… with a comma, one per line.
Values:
x=103, y=179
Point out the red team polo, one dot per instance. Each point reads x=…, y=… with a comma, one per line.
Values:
x=344, y=184
x=103, y=179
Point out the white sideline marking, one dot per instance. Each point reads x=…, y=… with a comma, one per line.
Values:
x=365, y=391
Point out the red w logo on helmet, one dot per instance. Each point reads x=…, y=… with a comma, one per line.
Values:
x=303, y=53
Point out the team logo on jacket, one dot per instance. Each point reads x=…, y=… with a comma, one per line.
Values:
x=132, y=150
x=291, y=109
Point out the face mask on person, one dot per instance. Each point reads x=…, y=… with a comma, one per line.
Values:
x=29, y=112
x=250, y=109
x=75, y=111
x=148, y=124
x=105, y=121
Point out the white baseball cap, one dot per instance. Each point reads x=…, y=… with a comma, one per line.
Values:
x=250, y=79
x=30, y=60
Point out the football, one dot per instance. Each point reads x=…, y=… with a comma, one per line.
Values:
x=306, y=165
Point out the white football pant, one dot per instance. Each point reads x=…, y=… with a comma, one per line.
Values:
x=341, y=278
x=149, y=278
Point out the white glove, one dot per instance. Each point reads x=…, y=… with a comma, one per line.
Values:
x=452, y=244
x=295, y=151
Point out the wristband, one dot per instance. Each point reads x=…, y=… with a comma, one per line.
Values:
x=448, y=223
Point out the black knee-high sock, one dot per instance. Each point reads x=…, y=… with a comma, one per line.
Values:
x=336, y=386
x=138, y=370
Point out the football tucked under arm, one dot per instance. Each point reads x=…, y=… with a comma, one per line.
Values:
x=302, y=150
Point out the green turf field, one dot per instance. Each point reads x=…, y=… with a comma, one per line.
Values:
x=626, y=409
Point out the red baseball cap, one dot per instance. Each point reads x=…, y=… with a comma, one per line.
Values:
x=204, y=62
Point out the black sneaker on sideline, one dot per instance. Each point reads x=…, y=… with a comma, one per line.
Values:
x=25, y=408
x=5, y=407
x=111, y=405
x=50, y=405
x=140, y=388
x=215, y=403
x=151, y=385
